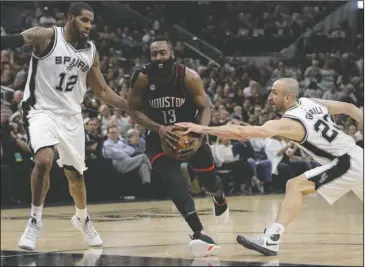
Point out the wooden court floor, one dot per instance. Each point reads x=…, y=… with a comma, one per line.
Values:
x=153, y=233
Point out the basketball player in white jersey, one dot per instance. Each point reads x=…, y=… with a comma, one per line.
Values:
x=308, y=123
x=63, y=65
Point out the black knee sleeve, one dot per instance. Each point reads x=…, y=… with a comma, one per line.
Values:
x=211, y=182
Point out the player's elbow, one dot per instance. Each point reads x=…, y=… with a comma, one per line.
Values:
x=133, y=113
x=99, y=92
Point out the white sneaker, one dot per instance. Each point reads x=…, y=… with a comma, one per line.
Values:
x=202, y=245
x=31, y=234
x=91, y=236
x=267, y=243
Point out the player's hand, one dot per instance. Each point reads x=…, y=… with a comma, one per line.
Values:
x=190, y=127
x=192, y=147
x=169, y=137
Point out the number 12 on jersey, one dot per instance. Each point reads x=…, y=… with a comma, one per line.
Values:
x=169, y=116
x=71, y=81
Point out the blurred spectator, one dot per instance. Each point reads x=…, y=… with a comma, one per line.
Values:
x=332, y=93
x=225, y=159
x=244, y=149
x=93, y=139
x=17, y=98
x=122, y=122
x=122, y=157
x=313, y=90
x=313, y=72
x=352, y=130
x=104, y=117
x=275, y=149
x=47, y=20
x=135, y=140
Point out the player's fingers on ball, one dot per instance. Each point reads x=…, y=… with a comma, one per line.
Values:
x=173, y=137
x=187, y=131
x=170, y=145
x=181, y=124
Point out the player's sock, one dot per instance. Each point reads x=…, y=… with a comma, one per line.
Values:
x=276, y=228
x=194, y=222
x=81, y=213
x=36, y=212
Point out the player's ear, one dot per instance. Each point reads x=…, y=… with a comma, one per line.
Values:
x=70, y=17
x=172, y=54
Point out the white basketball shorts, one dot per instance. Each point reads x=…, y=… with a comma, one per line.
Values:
x=65, y=132
x=342, y=175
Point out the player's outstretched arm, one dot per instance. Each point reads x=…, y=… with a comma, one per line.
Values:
x=284, y=127
x=101, y=90
x=337, y=107
x=33, y=36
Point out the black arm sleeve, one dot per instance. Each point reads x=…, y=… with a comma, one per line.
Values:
x=12, y=41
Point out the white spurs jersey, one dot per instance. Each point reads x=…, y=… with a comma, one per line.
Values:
x=57, y=81
x=323, y=140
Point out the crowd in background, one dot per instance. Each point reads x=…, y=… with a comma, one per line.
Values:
x=238, y=93
x=239, y=19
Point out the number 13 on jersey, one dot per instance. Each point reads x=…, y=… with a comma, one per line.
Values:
x=169, y=116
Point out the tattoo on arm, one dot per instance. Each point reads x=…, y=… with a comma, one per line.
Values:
x=38, y=35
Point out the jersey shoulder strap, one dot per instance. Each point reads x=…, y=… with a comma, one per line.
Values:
x=133, y=79
x=180, y=70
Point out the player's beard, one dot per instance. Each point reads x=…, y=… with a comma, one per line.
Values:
x=77, y=36
x=162, y=69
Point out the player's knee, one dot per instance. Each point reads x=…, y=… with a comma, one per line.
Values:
x=211, y=182
x=44, y=159
x=293, y=184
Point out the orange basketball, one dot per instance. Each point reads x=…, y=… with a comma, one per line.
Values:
x=181, y=145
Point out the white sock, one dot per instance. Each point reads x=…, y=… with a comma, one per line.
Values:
x=81, y=213
x=36, y=212
x=277, y=228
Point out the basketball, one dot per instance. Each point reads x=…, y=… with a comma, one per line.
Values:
x=181, y=145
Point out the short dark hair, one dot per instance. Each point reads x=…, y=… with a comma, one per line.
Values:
x=111, y=127
x=76, y=8
x=162, y=38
